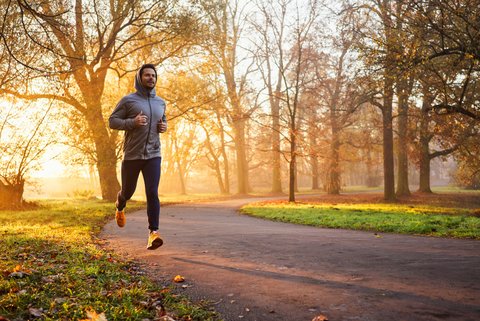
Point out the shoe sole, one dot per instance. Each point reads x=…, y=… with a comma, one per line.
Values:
x=155, y=244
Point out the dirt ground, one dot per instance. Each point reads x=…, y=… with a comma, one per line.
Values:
x=252, y=269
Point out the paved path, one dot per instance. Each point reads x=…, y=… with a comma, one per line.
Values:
x=254, y=269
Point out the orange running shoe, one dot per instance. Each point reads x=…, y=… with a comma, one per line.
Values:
x=120, y=218
x=154, y=241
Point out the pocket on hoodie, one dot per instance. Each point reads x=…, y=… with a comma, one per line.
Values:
x=156, y=146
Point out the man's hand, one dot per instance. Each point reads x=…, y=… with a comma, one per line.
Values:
x=161, y=126
x=140, y=120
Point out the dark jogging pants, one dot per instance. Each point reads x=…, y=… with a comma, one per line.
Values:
x=150, y=169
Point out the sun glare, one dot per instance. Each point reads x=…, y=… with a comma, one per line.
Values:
x=51, y=168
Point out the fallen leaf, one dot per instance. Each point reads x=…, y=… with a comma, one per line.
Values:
x=48, y=279
x=3, y=318
x=37, y=313
x=94, y=316
x=178, y=279
x=320, y=317
x=17, y=275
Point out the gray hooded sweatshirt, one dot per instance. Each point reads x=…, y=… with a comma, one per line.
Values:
x=141, y=142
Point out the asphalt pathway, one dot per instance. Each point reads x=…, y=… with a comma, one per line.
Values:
x=253, y=269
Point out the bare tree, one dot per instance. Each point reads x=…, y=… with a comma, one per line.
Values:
x=193, y=107
x=294, y=79
x=341, y=93
x=24, y=139
x=379, y=51
x=79, y=43
x=225, y=21
x=272, y=60
x=216, y=150
x=406, y=47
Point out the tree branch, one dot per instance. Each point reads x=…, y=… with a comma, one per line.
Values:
x=70, y=101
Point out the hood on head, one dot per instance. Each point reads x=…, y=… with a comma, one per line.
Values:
x=138, y=82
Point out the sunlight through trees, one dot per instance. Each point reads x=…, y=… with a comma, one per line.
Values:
x=261, y=95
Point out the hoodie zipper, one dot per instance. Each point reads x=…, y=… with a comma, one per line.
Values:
x=149, y=127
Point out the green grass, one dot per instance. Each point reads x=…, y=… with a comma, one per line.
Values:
x=453, y=189
x=52, y=265
x=394, y=218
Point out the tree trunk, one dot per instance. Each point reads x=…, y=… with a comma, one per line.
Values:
x=216, y=164
x=276, y=172
x=181, y=177
x=105, y=153
x=388, y=164
x=312, y=138
x=333, y=184
x=402, y=156
x=403, y=92
x=292, y=166
x=315, y=173
x=424, y=167
x=218, y=172
x=11, y=196
x=388, y=82
x=107, y=173
x=239, y=122
x=226, y=168
x=425, y=138
x=242, y=168
x=181, y=173
x=372, y=178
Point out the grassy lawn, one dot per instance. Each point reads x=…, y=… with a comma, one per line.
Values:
x=405, y=218
x=52, y=268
